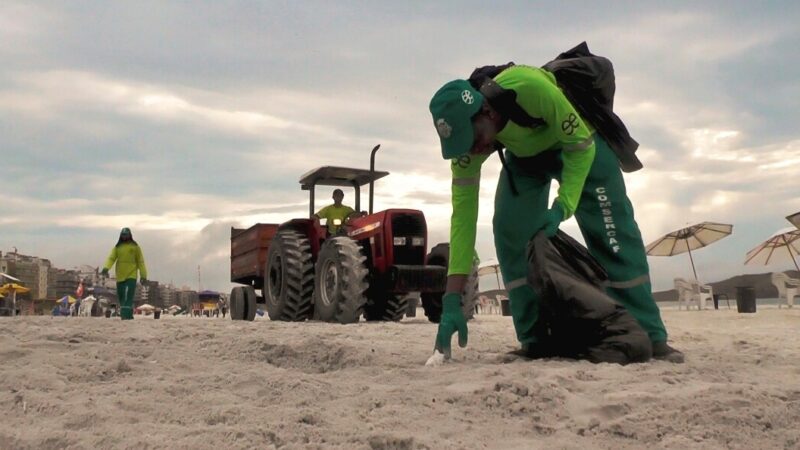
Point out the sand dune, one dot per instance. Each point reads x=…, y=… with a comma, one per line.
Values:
x=205, y=383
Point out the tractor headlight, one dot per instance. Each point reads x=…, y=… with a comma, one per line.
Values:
x=417, y=241
x=398, y=241
x=364, y=229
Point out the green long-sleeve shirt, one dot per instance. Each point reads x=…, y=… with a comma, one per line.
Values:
x=129, y=259
x=540, y=96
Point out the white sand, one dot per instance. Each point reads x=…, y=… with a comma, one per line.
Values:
x=207, y=383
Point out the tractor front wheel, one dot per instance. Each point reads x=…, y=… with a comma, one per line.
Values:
x=386, y=306
x=340, y=281
x=432, y=301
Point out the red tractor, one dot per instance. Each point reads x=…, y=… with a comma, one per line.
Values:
x=368, y=268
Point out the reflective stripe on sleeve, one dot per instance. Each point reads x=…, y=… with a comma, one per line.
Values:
x=582, y=145
x=472, y=181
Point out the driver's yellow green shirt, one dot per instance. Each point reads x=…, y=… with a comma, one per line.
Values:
x=332, y=212
x=540, y=96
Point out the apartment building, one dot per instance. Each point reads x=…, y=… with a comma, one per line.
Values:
x=32, y=272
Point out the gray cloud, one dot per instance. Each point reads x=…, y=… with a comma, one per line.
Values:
x=183, y=120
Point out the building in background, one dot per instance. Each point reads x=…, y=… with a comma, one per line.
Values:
x=185, y=298
x=50, y=283
x=66, y=281
x=3, y=266
x=89, y=274
x=33, y=273
x=63, y=282
x=147, y=293
x=51, y=286
x=168, y=295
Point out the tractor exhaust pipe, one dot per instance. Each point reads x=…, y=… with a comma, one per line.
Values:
x=372, y=175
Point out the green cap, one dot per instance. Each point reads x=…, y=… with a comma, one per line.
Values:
x=452, y=107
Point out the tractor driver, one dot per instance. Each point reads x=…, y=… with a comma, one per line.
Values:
x=335, y=214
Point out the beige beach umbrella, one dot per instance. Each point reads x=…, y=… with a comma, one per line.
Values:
x=784, y=243
x=8, y=277
x=491, y=266
x=794, y=219
x=688, y=239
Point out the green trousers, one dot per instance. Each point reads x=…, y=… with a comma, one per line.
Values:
x=125, y=292
x=605, y=218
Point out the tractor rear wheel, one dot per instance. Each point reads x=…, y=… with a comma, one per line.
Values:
x=432, y=301
x=289, y=277
x=340, y=281
x=237, y=303
x=249, y=303
x=386, y=306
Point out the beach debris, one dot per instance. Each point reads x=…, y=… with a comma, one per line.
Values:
x=123, y=367
x=436, y=359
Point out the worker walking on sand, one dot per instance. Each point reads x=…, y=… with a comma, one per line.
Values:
x=558, y=143
x=129, y=260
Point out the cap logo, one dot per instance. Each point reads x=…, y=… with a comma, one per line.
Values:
x=466, y=97
x=443, y=128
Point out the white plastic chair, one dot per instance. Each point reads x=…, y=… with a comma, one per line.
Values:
x=787, y=288
x=692, y=291
x=684, y=289
x=702, y=292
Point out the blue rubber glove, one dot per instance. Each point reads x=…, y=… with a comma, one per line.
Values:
x=143, y=281
x=104, y=272
x=452, y=321
x=553, y=218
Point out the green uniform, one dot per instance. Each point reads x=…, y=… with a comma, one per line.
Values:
x=129, y=260
x=332, y=212
x=590, y=186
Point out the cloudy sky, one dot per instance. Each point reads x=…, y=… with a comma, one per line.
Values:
x=182, y=119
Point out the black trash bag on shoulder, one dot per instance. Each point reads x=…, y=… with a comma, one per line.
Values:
x=577, y=319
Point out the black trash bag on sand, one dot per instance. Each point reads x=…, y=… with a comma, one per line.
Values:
x=577, y=319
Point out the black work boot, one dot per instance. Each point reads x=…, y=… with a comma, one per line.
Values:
x=662, y=351
x=528, y=351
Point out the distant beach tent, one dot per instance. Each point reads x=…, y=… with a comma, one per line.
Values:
x=794, y=219
x=688, y=239
x=491, y=266
x=772, y=250
x=207, y=301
